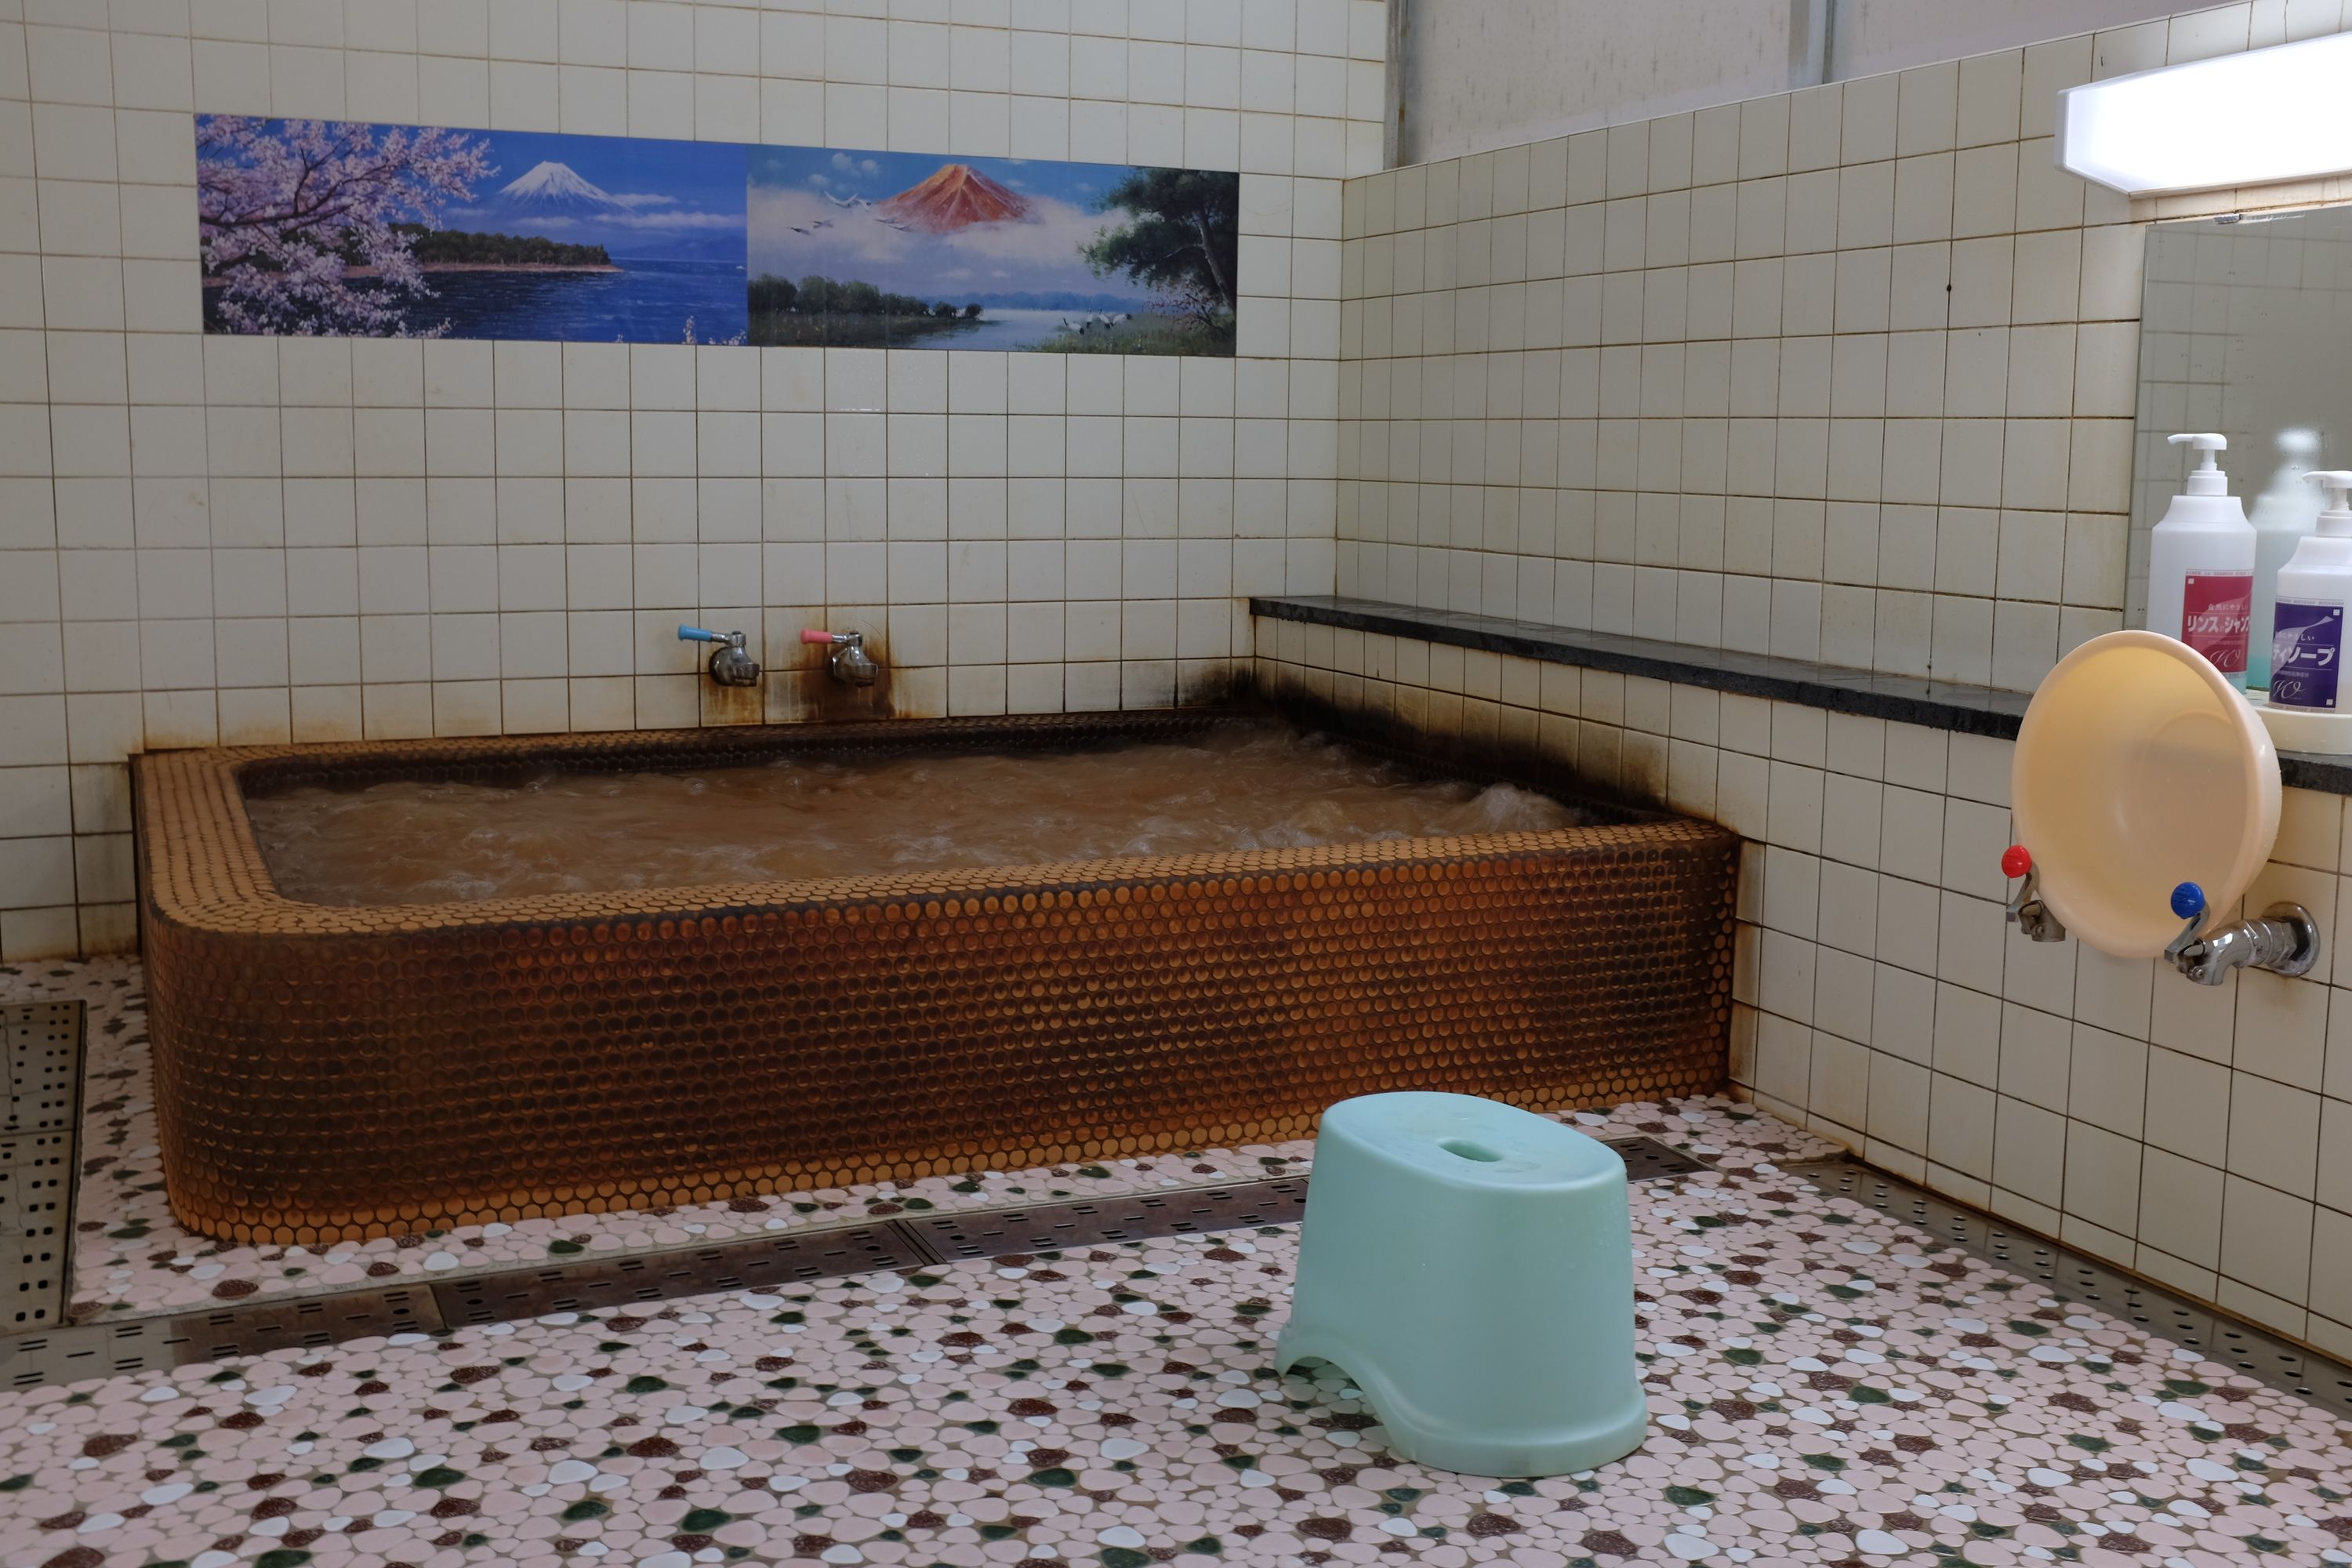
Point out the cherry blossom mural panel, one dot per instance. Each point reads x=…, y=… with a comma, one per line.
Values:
x=332, y=227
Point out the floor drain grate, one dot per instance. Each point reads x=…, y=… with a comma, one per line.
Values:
x=761, y=1263
x=1649, y=1159
x=40, y=1052
x=1053, y=1227
x=2070, y=1276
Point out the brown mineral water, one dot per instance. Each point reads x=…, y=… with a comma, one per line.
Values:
x=411, y=842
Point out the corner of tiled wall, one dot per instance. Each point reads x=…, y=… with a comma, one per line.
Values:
x=2193, y=1134
x=1846, y=375
x=208, y=540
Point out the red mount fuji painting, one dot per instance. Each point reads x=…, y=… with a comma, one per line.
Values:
x=956, y=197
x=898, y=249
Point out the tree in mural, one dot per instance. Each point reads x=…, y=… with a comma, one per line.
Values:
x=1183, y=237
x=287, y=210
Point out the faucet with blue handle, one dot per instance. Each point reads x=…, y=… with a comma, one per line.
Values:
x=731, y=663
x=2284, y=940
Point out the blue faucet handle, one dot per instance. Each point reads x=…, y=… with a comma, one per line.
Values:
x=696, y=633
x=2187, y=901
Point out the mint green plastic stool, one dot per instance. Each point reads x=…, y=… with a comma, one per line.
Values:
x=1470, y=1266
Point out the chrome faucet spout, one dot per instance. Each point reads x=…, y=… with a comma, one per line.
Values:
x=849, y=663
x=731, y=663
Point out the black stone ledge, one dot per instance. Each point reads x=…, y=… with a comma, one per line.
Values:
x=1906, y=699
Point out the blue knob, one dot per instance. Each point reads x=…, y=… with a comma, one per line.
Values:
x=696, y=633
x=2189, y=900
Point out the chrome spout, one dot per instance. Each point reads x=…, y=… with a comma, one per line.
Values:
x=2284, y=940
x=849, y=663
x=731, y=663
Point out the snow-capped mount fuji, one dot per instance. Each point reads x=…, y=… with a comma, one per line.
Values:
x=552, y=187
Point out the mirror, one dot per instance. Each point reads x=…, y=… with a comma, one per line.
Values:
x=2245, y=329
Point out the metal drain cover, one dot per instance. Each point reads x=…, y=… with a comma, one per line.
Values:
x=760, y=1265
x=1648, y=1159
x=40, y=1093
x=1052, y=1227
x=312, y=1320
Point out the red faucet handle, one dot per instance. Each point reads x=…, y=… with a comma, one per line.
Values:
x=810, y=634
x=2015, y=861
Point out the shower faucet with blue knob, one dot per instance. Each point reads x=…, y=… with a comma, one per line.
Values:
x=2285, y=940
x=731, y=663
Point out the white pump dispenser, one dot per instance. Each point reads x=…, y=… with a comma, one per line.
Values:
x=2200, y=568
x=2314, y=589
x=2282, y=516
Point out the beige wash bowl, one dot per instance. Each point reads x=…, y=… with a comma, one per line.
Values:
x=2139, y=767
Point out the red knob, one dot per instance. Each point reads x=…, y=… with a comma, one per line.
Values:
x=2015, y=861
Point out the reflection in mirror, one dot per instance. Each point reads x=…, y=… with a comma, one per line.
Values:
x=2245, y=329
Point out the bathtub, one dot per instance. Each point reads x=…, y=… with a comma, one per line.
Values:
x=331, y=1074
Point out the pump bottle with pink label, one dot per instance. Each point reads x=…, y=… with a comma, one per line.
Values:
x=2200, y=568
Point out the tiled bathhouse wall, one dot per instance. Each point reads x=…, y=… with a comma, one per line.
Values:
x=2204, y=1137
x=1845, y=373
x=208, y=540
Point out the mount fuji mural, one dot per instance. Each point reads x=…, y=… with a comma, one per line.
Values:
x=314, y=226
x=335, y=228
x=904, y=249
x=553, y=187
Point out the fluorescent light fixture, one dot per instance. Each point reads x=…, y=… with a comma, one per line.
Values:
x=2253, y=119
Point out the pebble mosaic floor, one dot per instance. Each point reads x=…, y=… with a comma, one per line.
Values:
x=1826, y=1387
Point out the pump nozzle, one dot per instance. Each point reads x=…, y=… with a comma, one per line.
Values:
x=2337, y=484
x=2206, y=479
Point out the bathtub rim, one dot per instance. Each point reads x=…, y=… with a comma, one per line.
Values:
x=200, y=867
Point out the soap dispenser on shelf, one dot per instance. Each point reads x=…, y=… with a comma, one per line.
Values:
x=2282, y=516
x=2306, y=711
x=2200, y=569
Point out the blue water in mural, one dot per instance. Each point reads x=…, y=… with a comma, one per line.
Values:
x=644, y=302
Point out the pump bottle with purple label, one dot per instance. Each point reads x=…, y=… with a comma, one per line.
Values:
x=2314, y=588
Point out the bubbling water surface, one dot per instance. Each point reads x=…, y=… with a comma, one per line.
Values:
x=416, y=842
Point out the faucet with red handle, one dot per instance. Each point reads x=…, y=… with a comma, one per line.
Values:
x=849, y=663
x=2026, y=910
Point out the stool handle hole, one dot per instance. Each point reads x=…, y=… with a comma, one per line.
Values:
x=1466, y=1149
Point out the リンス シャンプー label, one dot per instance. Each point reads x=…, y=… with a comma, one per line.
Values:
x=2216, y=607
x=2307, y=650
